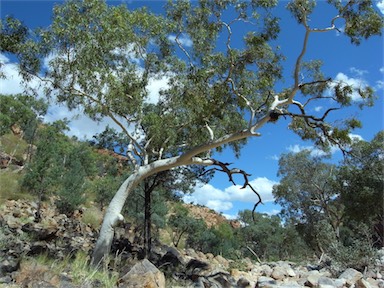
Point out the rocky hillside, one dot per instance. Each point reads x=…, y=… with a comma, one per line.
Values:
x=23, y=243
x=210, y=217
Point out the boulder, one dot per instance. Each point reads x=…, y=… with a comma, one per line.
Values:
x=278, y=273
x=266, y=282
x=313, y=278
x=351, y=276
x=143, y=275
x=361, y=283
x=243, y=283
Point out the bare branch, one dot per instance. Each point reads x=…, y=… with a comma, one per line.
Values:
x=224, y=168
x=183, y=49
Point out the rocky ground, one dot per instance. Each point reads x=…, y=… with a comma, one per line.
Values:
x=58, y=236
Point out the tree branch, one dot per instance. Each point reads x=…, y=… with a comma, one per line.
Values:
x=224, y=168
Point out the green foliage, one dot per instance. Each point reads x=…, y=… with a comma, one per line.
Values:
x=20, y=110
x=59, y=167
x=361, y=185
x=135, y=207
x=104, y=188
x=182, y=223
x=306, y=191
x=13, y=33
x=337, y=210
x=268, y=238
x=73, y=182
x=10, y=185
x=356, y=251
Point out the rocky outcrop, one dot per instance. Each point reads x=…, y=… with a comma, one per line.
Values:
x=59, y=236
x=143, y=274
x=210, y=217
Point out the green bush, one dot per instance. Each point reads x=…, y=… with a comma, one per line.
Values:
x=10, y=186
x=13, y=145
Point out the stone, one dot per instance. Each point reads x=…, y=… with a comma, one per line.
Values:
x=290, y=272
x=351, y=276
x=373, y=282
x=9, y=265
x=243, y=283
x=278, y=273
x=222, y=261
x=340, y=283
x=266, y=270
x=361, y=283
x=143, y=274
x=5, y=280
x=325, y=281
x=290, y=284
x=313, y=278
x=196, y=264
x=266, y=282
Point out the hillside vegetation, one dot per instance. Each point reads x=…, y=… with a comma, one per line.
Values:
x=338, y=225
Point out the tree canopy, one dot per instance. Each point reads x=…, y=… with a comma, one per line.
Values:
x=101, y=58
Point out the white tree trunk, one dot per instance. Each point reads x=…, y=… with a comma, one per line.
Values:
x=113, y=214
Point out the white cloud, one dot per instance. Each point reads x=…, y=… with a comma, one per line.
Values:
x=298, y=148
x=382, y=68
x=318, y=108
x=184, y=40
x=219, y=205
x=273, y=212
x=355, y=137
x=154, y=86
x=340, y=30
x=230, y=216
x=221, y=200
x=358, y=72
x=262, y=185
x=274, y=157
x=354, y=82
x=380, y=5
x=315, y=152
x=379, y=85
x=81, y=125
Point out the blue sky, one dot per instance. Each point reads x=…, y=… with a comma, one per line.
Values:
x=358, y=65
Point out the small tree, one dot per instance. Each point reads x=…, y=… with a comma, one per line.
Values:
x=42, y=173
x=182, y=224
x=217, y=94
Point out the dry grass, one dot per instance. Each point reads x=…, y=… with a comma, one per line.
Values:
x=10, y=186
x=43, y=268
x=93, y=217
x=13, y=145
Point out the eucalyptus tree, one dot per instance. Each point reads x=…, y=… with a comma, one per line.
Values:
x=308, y=196
x=360, y=182
x=102, y=58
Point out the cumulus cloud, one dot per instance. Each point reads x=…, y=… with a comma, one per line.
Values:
x=80, y=125
x=318, y=108
x=315, y=152
x=222, y=200
x=380, y=5
x=355, y=137
x=11, y=83
x=354, y=82
x=154, y=86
